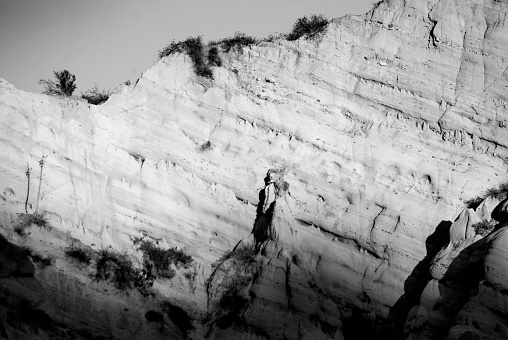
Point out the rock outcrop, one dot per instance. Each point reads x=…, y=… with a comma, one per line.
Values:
x=383, y=127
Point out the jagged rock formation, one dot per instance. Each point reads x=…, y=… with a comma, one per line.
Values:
x=385, y=125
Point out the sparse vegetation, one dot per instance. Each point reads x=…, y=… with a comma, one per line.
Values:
x=499, y=192
x=484, y=227
x=194, y=49
x=94, y=96
x=21, y=230
x=274, y=36
x=39, y=219
x=237, y=41
x=309, y=28
x=65, y=85
x=81, y=254
x=229, y=295
x=163, y=258
x=241, y=255
x=117, y=268
x=26, y=220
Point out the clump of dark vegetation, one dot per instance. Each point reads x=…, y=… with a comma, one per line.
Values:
x=38, y=258
x=274, y=36
x=39, y=219
x=194, y=49
x=237, y=41
x=178, y=316
x=80, y=254
x=499, y=192
x=163, y=258
x=26, y=220
x=94, y=96
x=484, y=227
x=214, y=57
x=65, y=85
x=309, y=28
x=117, y=268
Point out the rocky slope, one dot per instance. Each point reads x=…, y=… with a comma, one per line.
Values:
x=382, y=128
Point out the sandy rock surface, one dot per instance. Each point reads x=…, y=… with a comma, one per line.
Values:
x=383, y=128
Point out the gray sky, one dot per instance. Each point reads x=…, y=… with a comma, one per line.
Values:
x=107, y=42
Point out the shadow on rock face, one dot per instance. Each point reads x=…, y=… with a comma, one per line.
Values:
x=419, y=277
x=14, y=262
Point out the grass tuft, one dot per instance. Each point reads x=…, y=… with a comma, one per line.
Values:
x=237, y=41
x=26, y=221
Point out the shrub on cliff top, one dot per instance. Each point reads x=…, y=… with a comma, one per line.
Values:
x=237, y=41
x=65, y=85
x=94, y=96
x=194, y=49
x=309, y=28
x=213, y=57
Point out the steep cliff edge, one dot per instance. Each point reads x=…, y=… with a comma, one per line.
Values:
x=384, y=126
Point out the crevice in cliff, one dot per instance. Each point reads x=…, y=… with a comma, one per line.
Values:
x=340, y=238
x=287, y=284
x=432, y=37
x=375, y=219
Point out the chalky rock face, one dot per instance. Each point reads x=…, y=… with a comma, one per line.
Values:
x=384, y=126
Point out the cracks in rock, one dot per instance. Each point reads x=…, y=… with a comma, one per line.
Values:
x=340, y=238
x=432, y=37
x=375, y=219
x=397, y=224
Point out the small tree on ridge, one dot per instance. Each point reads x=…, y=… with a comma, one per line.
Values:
x=65, y=85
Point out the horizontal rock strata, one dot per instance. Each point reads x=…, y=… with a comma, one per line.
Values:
x=383, y=127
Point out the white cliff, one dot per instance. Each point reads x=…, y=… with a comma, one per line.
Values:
x=384, y=126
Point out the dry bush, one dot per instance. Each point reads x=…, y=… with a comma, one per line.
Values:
x=309, y=28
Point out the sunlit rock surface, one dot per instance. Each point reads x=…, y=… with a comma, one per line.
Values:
x=384, y=126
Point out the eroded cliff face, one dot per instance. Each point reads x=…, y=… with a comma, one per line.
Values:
x=383, y=126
